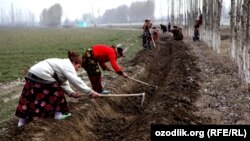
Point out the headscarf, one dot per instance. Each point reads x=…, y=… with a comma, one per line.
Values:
x=74, y=57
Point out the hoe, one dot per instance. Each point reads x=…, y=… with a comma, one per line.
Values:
x=138, y=94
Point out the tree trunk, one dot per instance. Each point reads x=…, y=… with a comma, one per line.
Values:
x=209, y=23
x=248, y=43
x=245, y=47
x=216, y=25
x=169, y=11
x=238, y=37
x=205, y=20
x=233, y=28
x=240, y=48
x=239, y=28
x=172, y=13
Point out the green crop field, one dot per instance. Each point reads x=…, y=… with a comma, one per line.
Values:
x=21, y=48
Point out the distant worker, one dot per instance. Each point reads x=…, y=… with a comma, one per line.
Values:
x=169, y=27
x=98, y=55
x=155, y=33
x=46, y=83
x=177, y=33
x=146, y=37
x=197, y=25
x=163, y=28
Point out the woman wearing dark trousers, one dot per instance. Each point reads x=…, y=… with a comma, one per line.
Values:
x=197, y=25
x=99, y=55
x=146, y=36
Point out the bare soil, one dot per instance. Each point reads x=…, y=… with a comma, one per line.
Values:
x=195, y=87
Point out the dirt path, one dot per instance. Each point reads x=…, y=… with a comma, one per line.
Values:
x=195, y=87
x=224, y=98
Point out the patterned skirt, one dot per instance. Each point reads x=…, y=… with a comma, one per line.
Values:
x=41, y=100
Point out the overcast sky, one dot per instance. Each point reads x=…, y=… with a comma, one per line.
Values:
x=74, y=9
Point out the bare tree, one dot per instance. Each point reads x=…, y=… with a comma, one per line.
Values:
x=16, y=17
x=122, y=14
x=212, y=13
x=248, y=44
x=240, y=44
x=244, y=55
x=51, y=17
x=233, y=28
x=240, y=48
x=87, y=17
x=172, y=12
x=137, y=11
x=43, y=17
x=12, y=15
x=211, y=26
x=2, y=18
x=169, y=11
x=216, y=25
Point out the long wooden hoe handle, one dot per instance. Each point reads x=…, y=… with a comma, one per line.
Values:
x=109, y=95
x=142, y=82
x=138, y=94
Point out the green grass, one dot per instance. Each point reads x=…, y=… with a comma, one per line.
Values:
x=8, y=110
x=21, y=48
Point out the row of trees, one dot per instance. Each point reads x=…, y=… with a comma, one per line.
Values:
x=51, y=17
x=137, y=11
x=240, y=41
x=186, y=11
x=16, y=17
x=212, y=17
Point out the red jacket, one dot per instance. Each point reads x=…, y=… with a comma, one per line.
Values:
x=104, y=53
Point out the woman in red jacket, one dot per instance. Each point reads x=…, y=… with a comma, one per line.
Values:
x=97, y=56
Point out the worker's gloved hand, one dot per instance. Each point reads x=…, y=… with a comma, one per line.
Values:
x=93, y=94
x=124, y=75
x=74, y=95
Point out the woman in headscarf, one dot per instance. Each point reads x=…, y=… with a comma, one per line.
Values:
x=146, y=37
x=98, y=55
x=197, y=25
x=46, y=83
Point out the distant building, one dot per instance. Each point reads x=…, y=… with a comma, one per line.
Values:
x=82, y=24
